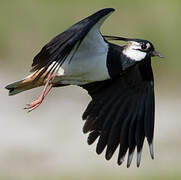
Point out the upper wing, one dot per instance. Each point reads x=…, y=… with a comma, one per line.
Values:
x=85, y=33
x=122, y=113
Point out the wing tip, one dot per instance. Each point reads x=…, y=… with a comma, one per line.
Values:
x=139, y=158
x=130, y=158
x=120, y=160
x=108, y=156
x=151, y=150
x=104, y=12
x=109, y=9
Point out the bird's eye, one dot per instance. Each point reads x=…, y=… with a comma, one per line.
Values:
x=143, y=46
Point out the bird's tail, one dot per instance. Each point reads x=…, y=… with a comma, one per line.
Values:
x=27, y=83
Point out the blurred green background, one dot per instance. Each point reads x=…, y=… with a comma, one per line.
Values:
x=48, y=143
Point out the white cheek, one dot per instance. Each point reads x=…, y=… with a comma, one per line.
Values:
x=134, y=55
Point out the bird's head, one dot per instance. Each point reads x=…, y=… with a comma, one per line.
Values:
x=138, y=49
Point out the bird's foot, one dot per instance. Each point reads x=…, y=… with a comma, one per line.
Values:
x=33, y=105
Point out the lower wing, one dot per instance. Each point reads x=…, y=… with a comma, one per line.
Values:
x=121, y=113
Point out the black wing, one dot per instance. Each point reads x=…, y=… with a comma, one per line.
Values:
x=121, y=113
x=53, y=54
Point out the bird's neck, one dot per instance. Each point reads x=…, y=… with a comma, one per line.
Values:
x=117, y=62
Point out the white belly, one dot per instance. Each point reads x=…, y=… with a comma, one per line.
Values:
x=84, y=68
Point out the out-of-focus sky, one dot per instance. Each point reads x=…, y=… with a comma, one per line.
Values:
x=49, y=141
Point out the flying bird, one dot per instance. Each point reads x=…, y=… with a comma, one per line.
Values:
x=119, y=80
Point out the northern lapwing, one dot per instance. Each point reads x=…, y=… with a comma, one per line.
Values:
x=118, y=78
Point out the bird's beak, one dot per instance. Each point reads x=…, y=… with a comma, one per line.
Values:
x=155, y=53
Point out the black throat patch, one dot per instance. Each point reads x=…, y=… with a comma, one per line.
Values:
x=117, y=62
